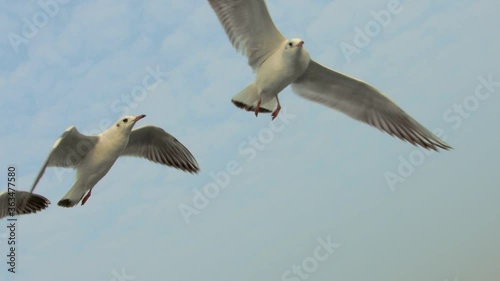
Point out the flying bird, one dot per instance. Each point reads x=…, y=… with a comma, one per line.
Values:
x=279, y=62
x=22, y=202
x=93, y=156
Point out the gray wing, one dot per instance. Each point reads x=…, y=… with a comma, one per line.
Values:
x=24, y=203
x=68, y=151
x=364, y=103
x=156, y=145
x=249, y=28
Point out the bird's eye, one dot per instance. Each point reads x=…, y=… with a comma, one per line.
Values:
x=125, y=120
x=290, y=44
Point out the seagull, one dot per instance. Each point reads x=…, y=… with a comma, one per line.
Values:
x=24, y=203
x=93, y=156
x=278, y=62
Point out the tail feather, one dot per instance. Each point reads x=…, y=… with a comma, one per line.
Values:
x=73, y=196
x=247, y=100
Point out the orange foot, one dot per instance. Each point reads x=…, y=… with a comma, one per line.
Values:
x=277, y=110
x=86, y=197
x=257, y=108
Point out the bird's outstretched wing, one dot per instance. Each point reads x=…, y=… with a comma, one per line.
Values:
x=249, y=28
x=156, y=145
x=68, y=151
x=364, y=103
x=23, y=202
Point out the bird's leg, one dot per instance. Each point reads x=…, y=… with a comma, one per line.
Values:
x=277, y=110
x=86, y=196
x=257, y=108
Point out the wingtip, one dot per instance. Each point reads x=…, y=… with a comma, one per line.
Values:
x=445, y=147
x=433, y=145
x=192, y=168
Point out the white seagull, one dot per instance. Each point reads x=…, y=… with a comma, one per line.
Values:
x=23, y=202
x=279, y=62
x=93, y=156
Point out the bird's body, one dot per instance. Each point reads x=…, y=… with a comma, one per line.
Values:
x=280, y=69
x=93, y=156
x=279, y=62
x=97, y=163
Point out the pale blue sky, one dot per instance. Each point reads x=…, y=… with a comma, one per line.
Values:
x=321, y=175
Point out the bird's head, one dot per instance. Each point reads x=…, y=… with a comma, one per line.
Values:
x=296, y=54
x=294, y=45
x=126, y=123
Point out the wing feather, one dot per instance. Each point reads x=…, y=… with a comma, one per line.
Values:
x=156, y=145
x=25, y=203
x=68, y=151
x=362, y=102
x=249, y=27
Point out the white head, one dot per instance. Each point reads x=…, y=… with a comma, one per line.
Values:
x=294, y=45
x=126, y=123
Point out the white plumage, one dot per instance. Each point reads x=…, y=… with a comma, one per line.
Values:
x=93, y=156
x=279, y=62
